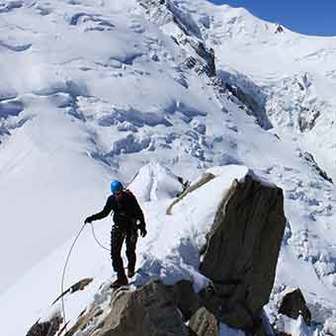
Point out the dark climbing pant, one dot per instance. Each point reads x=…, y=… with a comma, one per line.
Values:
x=118, y=236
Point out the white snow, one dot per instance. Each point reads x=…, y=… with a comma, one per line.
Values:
x=296, y=327
x=154, y=182
x=91, y=91
x=170, y=259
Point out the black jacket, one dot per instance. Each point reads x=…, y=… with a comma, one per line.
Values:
x=125, y=209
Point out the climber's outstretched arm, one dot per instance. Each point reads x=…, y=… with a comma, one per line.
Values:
x=109, y=206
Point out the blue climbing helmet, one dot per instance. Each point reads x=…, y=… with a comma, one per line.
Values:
x=116, y=186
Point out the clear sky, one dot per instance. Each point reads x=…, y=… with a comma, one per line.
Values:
x=314, y=17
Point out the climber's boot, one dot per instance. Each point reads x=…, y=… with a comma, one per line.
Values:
x=121, y=281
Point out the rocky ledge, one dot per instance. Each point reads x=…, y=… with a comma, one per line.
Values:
x=239, y=260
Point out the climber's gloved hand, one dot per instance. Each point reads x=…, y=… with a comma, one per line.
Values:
x=143, y=231
x=88, y=220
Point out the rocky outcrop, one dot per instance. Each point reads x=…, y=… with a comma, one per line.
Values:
x=307, y=118
x=163, y=12
x=294, y=304
x=203, y=180
x=151, y=310
x=248, y=95
x=46, y=328
x=80, y=285
x=279, y=29
x=187, y=301
x=208, y=65
x=242, y=252
x=239, y=259
x=311, y=161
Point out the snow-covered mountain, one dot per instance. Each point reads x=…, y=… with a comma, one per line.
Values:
x=291, y=75
x=93, y=90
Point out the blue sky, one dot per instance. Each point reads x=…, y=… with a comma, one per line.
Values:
x=314, y=17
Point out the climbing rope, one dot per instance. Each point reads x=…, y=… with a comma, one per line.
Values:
x=64, y=270
x=68, y=258
x=96, y=239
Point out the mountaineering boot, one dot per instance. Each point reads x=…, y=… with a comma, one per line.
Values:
x=121, y=281
x=130, y=272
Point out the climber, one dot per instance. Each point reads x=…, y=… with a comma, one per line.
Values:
x=128, y=219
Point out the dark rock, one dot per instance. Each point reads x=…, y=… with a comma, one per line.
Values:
x=205, y=179
x=311, y=161
x=254, y=108
x=242, y=252
x=223, y=302
x=147, y=311
x=190, y=62
x=191, y=332
x=83, y=320
x=48, y=328
x=187, y=301
x=152, y=310
x=248, y=93
x=205, y=63
x=166, y=11
x=293, y=304
x=80, y=285
x=279, y=29
x=239, y=258
x=307, y=118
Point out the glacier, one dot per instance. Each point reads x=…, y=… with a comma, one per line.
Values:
x=94, y=90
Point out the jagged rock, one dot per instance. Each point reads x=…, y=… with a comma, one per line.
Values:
x=185, y=185
x=203, y=323
x=279, y=29
x=154, y=309
x=242, y=252
x=187, y=301
x=147, y=311
x=307, y=118
x=247, y=93
x=293, y=304
x=46, y=328
x=80, y=285
x=192, y=332
x=203, y=180
x=239, y=258
x=208, y=55
x=311, y=160
x=253, y=107
x=82, y=323
x=224, y=303
x=164, y=12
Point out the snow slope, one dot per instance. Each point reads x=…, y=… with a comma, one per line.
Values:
x=296, y=76
x=96, y=90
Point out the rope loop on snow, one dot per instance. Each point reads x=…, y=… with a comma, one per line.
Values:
x=65, y=268
x=67, y=262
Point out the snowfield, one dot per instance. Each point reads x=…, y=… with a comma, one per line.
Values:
x=96, y=90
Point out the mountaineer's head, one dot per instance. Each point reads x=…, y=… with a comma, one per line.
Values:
x=116, y=186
